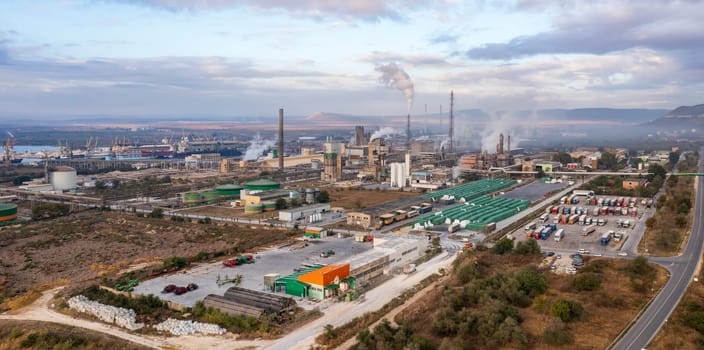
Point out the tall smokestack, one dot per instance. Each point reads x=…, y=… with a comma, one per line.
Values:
x=452, y=122
x=501, y=143
x=408, y=132
x=281, y=139
x=508, y=145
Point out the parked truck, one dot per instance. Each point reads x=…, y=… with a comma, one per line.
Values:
x=595, y=211
x=559, y=234
x=425, y=208
x=586, y=231
x=606, y=238
x=618, y=236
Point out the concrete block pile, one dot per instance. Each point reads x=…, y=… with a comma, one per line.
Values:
x=180, y=327
x=122, y=317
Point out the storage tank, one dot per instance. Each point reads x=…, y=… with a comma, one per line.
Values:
x=192, y=198
x=210, y=197
x=253, y=208
x=310, y=196
x=228, y=191
x=262, y=185
x=269, y=206
x=63, y=178
x=7, y=212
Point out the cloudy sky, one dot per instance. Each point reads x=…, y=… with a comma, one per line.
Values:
x=250, y=57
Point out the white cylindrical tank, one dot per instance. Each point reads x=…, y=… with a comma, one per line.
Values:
x=63, y=178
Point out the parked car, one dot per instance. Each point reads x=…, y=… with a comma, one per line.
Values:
x=180, y=290
x=169, y=288
x=622, y=254
x=191, y=286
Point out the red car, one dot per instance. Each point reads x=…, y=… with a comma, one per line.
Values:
x=180, y=290
x=231, y=262
x=170, y=288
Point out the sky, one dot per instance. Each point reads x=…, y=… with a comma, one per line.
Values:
x=250, y=57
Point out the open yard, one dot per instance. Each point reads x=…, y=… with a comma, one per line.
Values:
x=353, y=199
x=93, y=244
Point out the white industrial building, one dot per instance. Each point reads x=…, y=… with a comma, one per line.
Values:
x=293, y=214
x=386, y=255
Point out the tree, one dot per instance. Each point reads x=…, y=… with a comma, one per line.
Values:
x=562, y=157
x=527, y=247
x=281, y=203
x=540, y=173
x=608, y=161
x=175, y=261
x=531, y=281
x=503, y=246
x=567, y=310
x=656, y=170
x=674, y=157
x=156, y=213
x=294, y=202
x=20, y=179
x=323, y=197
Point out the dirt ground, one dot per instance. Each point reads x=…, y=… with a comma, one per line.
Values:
x=608, y=309
x=353, y=199
x=91, y=244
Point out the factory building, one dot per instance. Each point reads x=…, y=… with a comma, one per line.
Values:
x=300, y=213
x=363, y=219
x=317, y=282
x=387, y=255
x=332, y=161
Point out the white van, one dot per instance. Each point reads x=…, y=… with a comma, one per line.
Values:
x=544, y=217
x=530, y=226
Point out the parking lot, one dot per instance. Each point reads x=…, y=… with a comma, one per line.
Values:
x=574, y=237
x=281, y=260
x=535, y=191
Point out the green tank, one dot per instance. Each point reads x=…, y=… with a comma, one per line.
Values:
x=262, y=185
x=269, y=206
x=253, y=208
x=210, y=197
x=228, y=191
x=8, y=212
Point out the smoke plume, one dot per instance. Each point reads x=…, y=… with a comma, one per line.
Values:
x=384, y=132
x=394, y=77
x=257, y=147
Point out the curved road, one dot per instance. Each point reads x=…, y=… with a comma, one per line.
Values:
x=682, y=269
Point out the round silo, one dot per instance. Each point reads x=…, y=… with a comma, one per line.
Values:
x=63, y=178
x=310, y=195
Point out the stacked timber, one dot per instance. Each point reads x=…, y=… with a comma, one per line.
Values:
x=231, y=307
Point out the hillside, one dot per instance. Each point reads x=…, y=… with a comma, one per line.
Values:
x=681, y=117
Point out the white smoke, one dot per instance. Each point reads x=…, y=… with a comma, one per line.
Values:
x=384, y=132
x=257, y=147
x=497, y=125
x=394, y=77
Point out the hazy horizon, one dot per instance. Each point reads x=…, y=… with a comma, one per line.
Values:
x=151, y=58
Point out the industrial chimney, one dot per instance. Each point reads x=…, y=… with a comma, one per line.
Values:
x=281, y=139
x=501, y=143
x=509, y=144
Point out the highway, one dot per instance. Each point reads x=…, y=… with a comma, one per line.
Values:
x=682, y=269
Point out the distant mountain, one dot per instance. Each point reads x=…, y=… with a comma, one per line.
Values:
x=681, y=117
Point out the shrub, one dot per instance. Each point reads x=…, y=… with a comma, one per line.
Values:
x=175, y=261
x=587, y=281
x=557, y=334
x=503, y=246
x=531, y=281
x=567, y=310
x=156, y=213
x=528, y=247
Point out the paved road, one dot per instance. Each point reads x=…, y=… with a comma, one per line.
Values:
x=682, y=270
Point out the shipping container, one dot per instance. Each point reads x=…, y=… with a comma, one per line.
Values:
x=634, y=212
x=586, y=231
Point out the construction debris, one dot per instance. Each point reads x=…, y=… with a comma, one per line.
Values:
x=181, y=327
x=122, y=317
